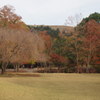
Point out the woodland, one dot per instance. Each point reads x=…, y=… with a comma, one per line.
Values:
x=49, y=49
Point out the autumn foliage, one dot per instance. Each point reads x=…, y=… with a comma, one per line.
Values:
x=92, y=40
x=75, y=51
x=47, y=39
x=57, y=58
x=9, y=19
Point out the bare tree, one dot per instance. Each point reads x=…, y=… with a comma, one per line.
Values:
x=73, y=20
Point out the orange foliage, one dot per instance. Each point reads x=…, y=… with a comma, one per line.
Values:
x=11, y=20
x=92, y=39
x=57, y=58
x=46, y=38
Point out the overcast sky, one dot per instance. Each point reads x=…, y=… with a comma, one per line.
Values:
x=51, y=12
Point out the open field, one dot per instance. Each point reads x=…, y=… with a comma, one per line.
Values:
x=51, y=87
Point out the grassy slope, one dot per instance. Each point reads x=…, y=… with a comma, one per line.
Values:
x=51, y=87
x=60, y=27
x=63, y=28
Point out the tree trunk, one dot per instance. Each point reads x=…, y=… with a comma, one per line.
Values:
x=3, y=67
x=59, y=69
x=87, y=70
x=17, y=68
x=88, y=63
x=2, y=71
x=45, y=67
x=87, y=67
x=77, y=57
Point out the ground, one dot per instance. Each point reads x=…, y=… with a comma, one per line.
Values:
x=50, y=87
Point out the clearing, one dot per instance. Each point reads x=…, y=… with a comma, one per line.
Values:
x=50, y=87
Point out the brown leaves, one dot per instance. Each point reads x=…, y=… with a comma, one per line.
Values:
x=9, y=19
x=46, y=38
x=20, y=46
x=92, y=40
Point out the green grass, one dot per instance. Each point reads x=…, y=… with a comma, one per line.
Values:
x=51, y=87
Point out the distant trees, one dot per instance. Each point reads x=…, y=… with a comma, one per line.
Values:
x=94, y=16
x=58, y=54
x=90, y=34
x=47, y=40
x=83, y=44
x=77, y=51
x=53, y=33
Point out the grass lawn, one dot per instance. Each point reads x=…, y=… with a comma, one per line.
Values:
x=51, y=87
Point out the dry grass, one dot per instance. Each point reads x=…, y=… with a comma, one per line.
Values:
x=51, y=87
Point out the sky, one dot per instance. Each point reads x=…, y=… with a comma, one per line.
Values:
x=51, y=12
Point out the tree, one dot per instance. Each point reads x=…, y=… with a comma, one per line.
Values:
x=13, y=47
x=47, y=40
x=74, y=41
x=19, y=46
x=91, y=41
x=58, y=60
x=52, y=32
x=8, y=18
x=73, y=20
x=58, y=54
x=94, y=16
x=59, y=46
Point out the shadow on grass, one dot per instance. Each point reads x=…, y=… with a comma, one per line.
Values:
x=18, y=74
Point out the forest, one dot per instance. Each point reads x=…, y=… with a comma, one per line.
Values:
x=49, y=49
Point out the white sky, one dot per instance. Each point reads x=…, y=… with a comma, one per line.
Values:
x=51, y=12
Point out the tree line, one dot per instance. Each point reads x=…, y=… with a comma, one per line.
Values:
x=51, y=49
x=77, y=52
